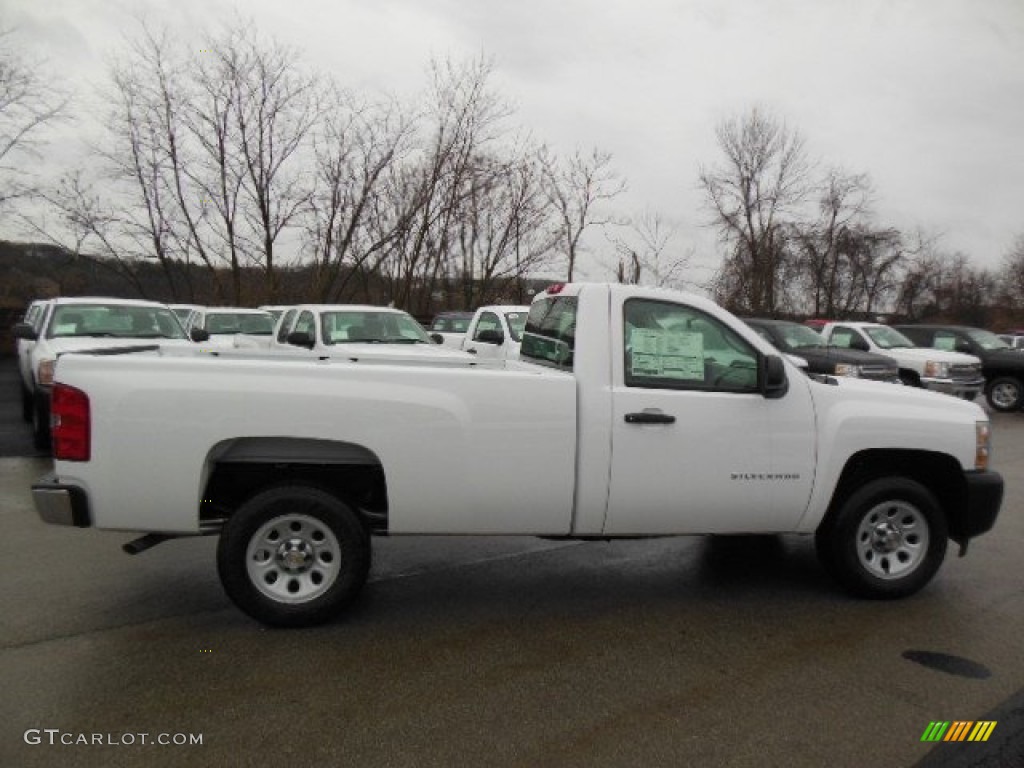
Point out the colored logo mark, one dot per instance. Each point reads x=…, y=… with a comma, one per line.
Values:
x=959, y=730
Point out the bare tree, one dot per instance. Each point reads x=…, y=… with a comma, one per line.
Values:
x=577, y=187
x=752, y=194
x=642, y=247
x=28, y=102
x=503, y=227
x=825, y=265
x=462, y=116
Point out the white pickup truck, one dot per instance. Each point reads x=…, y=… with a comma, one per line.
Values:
x=940, y=370
x=632, y=412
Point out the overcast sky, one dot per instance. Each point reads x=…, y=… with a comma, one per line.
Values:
x=925, y=96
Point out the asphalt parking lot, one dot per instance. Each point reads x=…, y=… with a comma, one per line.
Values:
x=504, y=652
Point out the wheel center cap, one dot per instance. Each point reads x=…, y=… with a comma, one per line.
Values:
x=294, y=555
x=886, y=538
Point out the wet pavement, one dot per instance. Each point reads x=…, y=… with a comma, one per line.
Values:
x=508, y=652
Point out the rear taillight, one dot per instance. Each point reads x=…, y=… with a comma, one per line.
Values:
x=69, y=412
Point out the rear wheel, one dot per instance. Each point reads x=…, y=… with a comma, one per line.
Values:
x=886, y=540
x=293, y=556
x=1005, y=393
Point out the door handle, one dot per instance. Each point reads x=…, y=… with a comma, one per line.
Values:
x=471, y=350
x=650, y=417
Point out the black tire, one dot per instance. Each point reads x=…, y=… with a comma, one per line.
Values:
x=1005, y=393
x=293, y=556
x=41, y=422
x=909, y=379
x=887, y=540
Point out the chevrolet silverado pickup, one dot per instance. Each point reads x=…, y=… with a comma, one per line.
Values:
x=632, y=412
x=939, y=370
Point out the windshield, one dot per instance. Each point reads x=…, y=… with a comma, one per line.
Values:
x=451, y=323
x=372, y=327
x=227, y=323
x=988, y=340
x=121, y=321
x=798, y=336
x=516, y=324
x=887, y=338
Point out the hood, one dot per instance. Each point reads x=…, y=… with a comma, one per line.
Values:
x=856, y=390
x=928, y=353
x=62, y=344
x=844, y=355
x=394, y=352
x=1005, y=358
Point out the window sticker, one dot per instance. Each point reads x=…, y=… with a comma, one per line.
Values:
x=667, y=354
x=947, y=343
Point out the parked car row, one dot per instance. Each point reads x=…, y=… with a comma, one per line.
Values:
x=956, y=360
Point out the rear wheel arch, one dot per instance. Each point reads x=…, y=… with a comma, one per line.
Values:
x=238, y=469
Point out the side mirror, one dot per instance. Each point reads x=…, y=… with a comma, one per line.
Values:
x=300, y=339
x=859, y=344
x=24, y=331
x=437, y=338
x=490, y=336
x=199, y=335
x=962, y=346
x=774, y=383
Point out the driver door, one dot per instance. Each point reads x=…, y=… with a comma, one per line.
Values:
x=696, y=447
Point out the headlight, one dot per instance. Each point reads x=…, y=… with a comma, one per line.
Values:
x=847, y=369
x=44, y=373
x=983, y=444
x=936, y=370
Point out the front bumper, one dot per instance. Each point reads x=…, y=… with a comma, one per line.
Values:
x=980, y=508
x=957, y=387
x=59, y=504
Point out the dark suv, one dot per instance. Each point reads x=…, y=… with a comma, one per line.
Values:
x=799, y=340
x=1002, y=365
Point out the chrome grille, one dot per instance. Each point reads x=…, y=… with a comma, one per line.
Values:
x=965, y=372
x=878, y=372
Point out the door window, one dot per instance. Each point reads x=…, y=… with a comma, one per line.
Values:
x=671, y=346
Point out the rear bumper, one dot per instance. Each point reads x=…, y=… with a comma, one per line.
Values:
x=59, y=504
x=981, y=507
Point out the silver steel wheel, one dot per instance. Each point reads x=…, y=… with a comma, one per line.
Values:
x=892, y=539
x=293, y=558
x=1005, y=395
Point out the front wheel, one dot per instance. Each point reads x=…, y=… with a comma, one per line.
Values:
x=1005, y=394
x=293, y=556
x=886, y=540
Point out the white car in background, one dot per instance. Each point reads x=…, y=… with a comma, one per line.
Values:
x=358, y=332
x=496, y=332
x=939, y=370
x=35, y=316
x=73, y=324
x=222, y=324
